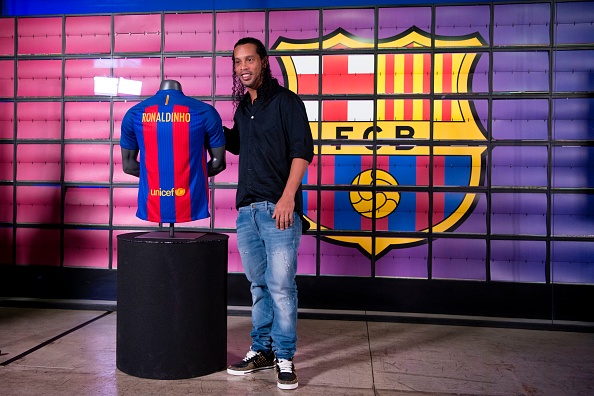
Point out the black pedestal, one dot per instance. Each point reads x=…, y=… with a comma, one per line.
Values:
x=171, y=304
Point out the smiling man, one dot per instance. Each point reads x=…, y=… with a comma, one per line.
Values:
x=272, y=136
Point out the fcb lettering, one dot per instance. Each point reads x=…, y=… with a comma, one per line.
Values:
x=166, y=117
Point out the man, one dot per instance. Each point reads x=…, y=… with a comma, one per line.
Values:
x=172, y=133
x=271, y=134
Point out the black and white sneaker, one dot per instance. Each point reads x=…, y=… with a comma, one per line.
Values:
x=286, y=374
x=253, y=361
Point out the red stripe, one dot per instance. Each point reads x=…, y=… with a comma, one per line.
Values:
x=312, y=179
x=426, y=110
x=422, y=218
x=389, y=74
x=426, y=73
x=446, y=110
x=389, y=112
x=383, y=163
x=409, y=69
x=181, y=159
x=151, y=150
x=335, y=110
x=438, y=180
x=307, y=84
x=447, y=74
x=327, y=178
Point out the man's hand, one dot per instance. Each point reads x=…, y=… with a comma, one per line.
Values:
x=283, y=212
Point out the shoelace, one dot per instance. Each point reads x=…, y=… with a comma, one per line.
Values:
x=249, y=355
x=285, y=366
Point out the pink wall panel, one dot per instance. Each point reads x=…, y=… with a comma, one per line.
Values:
x=6, y=204
x=6, y=245
x=80, y=75
x=137, y=33
x=125, y=203
x=194, y=74
x=118, y=173
x=39, y=120
x=188, y=32
x=7, y=36
x=86, y=205
x=36, y=246
x=86, y=248
x=88, y=34
x=145, y=70
x=6, y=78
x=224, y=209
x=40, y=36
x=39, y=77
x=86, y=163
x=231, y=26
x=224, y=78
x=87, y=120
x=119, y=110
x=39, y=162
x=7, y=162
x=6, y=120
x=38, y=204
x=233, y=258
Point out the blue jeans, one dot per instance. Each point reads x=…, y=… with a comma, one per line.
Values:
x=269, y=258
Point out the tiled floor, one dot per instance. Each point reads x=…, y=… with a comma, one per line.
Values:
x=73, y=352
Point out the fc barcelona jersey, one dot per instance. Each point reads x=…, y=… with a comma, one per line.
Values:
x=172, y=133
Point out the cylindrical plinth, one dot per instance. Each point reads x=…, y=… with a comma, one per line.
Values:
x=171, y=304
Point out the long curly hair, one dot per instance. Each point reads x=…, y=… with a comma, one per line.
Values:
x=267, y=86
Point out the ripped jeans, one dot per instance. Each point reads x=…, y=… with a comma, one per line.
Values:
x=269, y=258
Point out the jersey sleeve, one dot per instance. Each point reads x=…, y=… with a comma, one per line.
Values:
x=128, y=138
x=214, y=129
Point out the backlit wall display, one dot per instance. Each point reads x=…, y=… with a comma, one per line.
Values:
x=443, y=150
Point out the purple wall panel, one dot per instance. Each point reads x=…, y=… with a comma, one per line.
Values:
x=572, y=262
x=342, y=261
x=393, y=21
x=573, y=167
x=521, y=24
x=404, y=263
x=572, y=214
x=357, y=21
x=574, y=23
x=573, y=119
x=301, y=24
x=518, y=213
x=519, y=166
x=307, y=256
x=520, y=119
x=518, y=261
x=459, y=259
x=574, y=71
x=520, y=71
x=462, y=20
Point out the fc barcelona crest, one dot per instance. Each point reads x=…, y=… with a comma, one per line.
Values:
x=408, y=128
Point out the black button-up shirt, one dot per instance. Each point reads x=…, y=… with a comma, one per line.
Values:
x=271, y=131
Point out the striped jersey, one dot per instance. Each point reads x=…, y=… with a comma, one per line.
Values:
x=172, y=133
